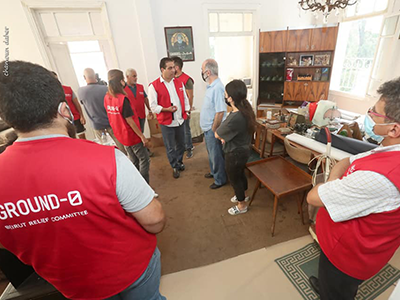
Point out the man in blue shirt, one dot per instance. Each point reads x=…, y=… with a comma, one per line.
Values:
x=212, y=114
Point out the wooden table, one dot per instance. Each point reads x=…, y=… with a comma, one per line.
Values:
x=282, y=178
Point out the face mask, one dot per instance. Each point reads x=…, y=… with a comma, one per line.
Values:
x=227, y=102
x=70, y=112
x=369, y=125
x=204, y=77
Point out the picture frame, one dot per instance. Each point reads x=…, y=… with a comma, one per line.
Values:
x=306, y=60
x=291, y=61
x=325, y=74
x=179, y=41
x=322, y=59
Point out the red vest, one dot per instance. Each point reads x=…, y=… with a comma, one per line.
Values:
x=123, y=132
x=361, y=247
x=184, y=78
x=68, y=98
x=65, y=220
x=164, y=100
x=138, y=101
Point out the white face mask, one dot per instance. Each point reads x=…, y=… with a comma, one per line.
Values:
x=70, y=112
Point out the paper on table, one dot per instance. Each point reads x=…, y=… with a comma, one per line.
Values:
x=317, y=146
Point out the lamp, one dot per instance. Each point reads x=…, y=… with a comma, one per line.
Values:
x=327, y=7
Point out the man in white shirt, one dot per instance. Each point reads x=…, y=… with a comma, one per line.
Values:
x=358, y=225
x=169, y=101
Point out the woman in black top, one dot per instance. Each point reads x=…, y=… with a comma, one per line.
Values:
x=235, y=134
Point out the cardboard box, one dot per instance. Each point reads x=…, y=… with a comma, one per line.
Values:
x=154, y=126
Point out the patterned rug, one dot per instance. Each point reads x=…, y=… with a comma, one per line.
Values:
x=298, y=266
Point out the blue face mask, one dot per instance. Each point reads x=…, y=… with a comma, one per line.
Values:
x=369, y=125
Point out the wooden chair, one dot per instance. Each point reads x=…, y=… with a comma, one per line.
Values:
x=259, y=139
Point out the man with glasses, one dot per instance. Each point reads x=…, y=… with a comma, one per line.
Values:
x=83, y=216
x=358, y=225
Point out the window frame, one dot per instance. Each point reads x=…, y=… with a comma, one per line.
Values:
x=384, y=13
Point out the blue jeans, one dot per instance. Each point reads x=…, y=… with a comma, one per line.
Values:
x=215, y=157
x=174, y=143
x=148, y=284
x=188, y=135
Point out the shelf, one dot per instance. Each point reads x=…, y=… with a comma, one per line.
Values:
x=270, y=81
x=304, y=67
x=305, y=81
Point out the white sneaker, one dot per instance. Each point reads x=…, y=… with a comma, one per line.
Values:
x=233, y=211
x=235, y=200
x=155, y=195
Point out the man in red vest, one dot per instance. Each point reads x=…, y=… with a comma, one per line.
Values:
x=358, y=225
x=73, y=103
x=168, y=99
x=188, y=82
x=82, y=216
x=139, y=98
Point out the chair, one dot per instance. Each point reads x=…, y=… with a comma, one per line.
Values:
x=258, y=143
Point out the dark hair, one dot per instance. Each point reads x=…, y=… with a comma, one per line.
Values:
x=236, y=89
x=114, y=82
x=178, y=61
x=29, y=96
x=164, y=61
x=390, y=92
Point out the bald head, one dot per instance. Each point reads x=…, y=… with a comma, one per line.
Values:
x=131, y=77
x=89, y=75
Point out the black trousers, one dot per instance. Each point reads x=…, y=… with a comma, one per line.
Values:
x=333, y=283
x=235, y=163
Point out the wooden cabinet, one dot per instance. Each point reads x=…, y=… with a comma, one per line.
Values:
x=299, y=40
x=318, y=39
x=318, y=91
x=324, y=38
x=306, y=91
x=273, y=41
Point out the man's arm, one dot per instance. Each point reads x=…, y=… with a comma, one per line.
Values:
x=79, y=108
x=136, y=196
x=337, y=172
x=146, y=102
x=313, y=197
x=217, y=120
x=339, y=169
x=134, y=127
x=190, y=94
x=152, y=217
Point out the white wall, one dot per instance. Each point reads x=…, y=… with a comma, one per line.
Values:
x=22, y=42
x=138, y=31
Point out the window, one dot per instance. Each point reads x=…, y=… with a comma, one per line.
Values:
x=356, y=47
x=355, y=53
x=232, y=45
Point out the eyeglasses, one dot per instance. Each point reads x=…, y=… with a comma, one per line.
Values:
x=371, y=113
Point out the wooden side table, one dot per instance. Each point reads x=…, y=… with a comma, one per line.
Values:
x=282, y=178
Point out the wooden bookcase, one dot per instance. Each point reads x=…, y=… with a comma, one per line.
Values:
x=307, y=53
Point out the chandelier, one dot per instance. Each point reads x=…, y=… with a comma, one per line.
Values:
x=327, y=7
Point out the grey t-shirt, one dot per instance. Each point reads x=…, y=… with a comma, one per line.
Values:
x=234, y=131
x=132, y=191
x=92, y=98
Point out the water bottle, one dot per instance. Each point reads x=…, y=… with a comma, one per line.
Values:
x=103, y=138
x=109, y=140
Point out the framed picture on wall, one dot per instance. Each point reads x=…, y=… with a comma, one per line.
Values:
x=180, y=42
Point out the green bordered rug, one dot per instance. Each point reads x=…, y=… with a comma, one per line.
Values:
x=299, y=265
